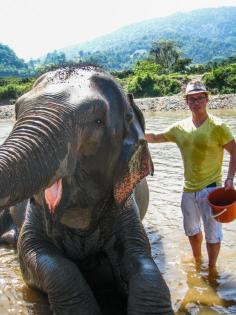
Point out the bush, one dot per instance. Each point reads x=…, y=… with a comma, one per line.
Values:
x=122, y=74
x=12, y=88
x=221, y=80
x=142, y=86
x=151, y=86
x=146, y=67
x=167, y=86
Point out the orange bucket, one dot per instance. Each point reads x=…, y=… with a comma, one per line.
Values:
x=223, y=204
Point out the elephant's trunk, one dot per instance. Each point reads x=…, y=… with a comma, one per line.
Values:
x=35, y=154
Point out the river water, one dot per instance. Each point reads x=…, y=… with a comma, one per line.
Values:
x=193, y=290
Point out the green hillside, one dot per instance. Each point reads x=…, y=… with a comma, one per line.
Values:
x=10, y=64
x=204, y=35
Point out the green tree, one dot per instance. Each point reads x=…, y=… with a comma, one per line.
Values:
x=165, y=53
x=55, y=58
x=181, y=64
x=146, y=66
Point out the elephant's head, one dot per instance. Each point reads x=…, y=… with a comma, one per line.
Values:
x=75, y=128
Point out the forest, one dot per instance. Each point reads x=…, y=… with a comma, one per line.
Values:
x=161, y=73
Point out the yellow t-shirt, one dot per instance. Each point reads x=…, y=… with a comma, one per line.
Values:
x=201, y=149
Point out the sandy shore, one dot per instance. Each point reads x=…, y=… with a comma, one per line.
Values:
x=166, y=103
x=177, y=102
x=7, y=112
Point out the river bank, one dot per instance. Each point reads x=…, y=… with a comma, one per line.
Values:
x=177, y=103
x=7, y=112
x=155, y=104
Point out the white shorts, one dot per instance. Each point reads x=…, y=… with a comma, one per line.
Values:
x=194, y=208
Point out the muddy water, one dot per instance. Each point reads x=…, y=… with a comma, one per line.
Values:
x=193, y=290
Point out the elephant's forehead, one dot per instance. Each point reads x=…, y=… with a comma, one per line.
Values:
x=76, y=88
x=70, y=77
x=73, y=91
x=78, y=85
x=83, y=96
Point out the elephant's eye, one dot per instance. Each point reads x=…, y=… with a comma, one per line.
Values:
x=99, y=122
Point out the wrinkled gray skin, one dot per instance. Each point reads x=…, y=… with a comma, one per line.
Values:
x=77, y=125
x=11, y=220
x=8, y=230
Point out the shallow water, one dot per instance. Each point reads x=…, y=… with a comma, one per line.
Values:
x=193, y=290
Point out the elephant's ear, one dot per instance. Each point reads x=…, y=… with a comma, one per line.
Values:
x=131, y=173
x=135, y=161
x=136, y=110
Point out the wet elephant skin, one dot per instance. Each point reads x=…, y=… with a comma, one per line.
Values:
x=78, y=159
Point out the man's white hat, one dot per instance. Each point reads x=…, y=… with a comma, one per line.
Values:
x=194, y=87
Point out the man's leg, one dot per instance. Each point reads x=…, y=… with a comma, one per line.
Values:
x=213, y=250
x=196, y=244
x=192, y=223
x=213, y=229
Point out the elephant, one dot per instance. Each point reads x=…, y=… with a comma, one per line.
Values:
x=78, y=159
x=11, y=220
x=8, y=230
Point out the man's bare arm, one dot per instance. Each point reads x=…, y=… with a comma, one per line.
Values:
x=231, y=148
x=155, y=138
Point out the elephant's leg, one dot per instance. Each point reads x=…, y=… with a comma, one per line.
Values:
x=103, y=282
x=5, y=220
x=10, y=237
x=8, y=230
x=46, y=269
x=147, y=291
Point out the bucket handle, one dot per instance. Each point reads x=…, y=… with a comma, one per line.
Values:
x=220, y=213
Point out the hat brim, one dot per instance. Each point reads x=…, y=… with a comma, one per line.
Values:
x=197, y=92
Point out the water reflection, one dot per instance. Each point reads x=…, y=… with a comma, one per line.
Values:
x=193, y=290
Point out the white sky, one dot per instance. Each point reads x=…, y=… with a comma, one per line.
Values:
x=34, y=27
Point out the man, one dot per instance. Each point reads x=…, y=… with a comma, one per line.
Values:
x=201, y=139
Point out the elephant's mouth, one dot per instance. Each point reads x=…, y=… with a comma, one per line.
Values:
x=53, y=195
